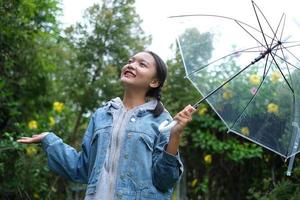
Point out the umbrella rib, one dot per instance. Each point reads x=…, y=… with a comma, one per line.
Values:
x=265, y=72
x=250, y=33
x=291, y=52
x=287, y=66
x=263, y=34
x=288, y=42
x=281, y=35
x=286, y=48
x=295, y=45
x=283, y=26
x=286, y=61
x=275, y=34
x=258, y=89
x=228, y=80
x=282, y=73
x=236, y=52
x=196, y=105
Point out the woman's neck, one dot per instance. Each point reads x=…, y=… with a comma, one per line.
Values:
x=132, y=99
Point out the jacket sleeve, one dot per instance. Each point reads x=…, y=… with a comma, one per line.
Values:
x=65, y=160
x=167, y=168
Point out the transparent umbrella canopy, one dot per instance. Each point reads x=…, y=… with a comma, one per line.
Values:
x=248, y=73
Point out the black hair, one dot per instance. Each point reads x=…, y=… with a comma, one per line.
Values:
x=161, y=75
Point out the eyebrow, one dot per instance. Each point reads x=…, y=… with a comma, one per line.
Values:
x=141, y=60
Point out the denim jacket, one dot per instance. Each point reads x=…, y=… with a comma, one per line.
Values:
x=145, y=171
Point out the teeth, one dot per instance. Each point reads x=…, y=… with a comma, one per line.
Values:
x=128, y=72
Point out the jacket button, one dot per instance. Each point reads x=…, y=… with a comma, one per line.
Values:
x=132, y=119
x=122, y=177
x=119, y=195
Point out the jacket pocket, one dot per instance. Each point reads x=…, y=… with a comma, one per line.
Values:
x=148, y=141
x=148, y=191
x=99, y=144
x=102, y=132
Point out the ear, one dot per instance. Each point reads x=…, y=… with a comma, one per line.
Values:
x=154, y=83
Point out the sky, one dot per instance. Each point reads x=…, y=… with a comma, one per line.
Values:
x=155, y=14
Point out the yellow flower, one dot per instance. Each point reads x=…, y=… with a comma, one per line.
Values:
x=31, y=150
x=227, y=95
x=194, y=182
x=254, y=79
x=58, y=106
x=202, y=111
x=51, y=121
x=272, y=108
x=36, y=195
x=245, y=131
x=32, y=124
x=275, y=77
x=208, y=159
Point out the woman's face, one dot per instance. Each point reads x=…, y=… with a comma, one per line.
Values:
x=140, y=72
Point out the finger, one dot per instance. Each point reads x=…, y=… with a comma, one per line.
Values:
x=182, y=120
x=185, y=114
x=181, y=116
x=25, y=140
x=190, y=109
x=28, y=140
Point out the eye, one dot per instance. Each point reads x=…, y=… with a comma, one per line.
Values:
x=130, y=61
x=142, y=64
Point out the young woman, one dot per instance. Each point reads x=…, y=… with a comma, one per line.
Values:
x=124, y=156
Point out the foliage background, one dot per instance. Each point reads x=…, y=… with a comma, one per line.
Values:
x=53, y=79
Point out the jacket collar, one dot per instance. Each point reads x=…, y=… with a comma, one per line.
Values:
x=140, y=110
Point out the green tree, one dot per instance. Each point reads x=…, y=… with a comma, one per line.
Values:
x=28, y=29
x=101, y=45
x=28, y=34
x=79, y=71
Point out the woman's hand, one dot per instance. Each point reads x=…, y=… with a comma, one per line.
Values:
x=34, y=139
x=182, y=118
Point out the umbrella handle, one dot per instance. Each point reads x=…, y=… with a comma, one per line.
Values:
x=295, y=147
x=166, y=126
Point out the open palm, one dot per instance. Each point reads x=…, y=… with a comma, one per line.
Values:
x=34, y=139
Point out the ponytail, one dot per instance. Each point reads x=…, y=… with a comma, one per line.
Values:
x=159, y=106
x=161, y=73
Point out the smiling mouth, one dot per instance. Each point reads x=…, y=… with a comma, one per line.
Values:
x=128, y=73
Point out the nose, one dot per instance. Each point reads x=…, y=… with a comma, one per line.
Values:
x=131, y=65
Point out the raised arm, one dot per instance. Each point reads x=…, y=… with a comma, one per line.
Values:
x=62, y=158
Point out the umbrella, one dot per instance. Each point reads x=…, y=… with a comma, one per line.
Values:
x=248, y=73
